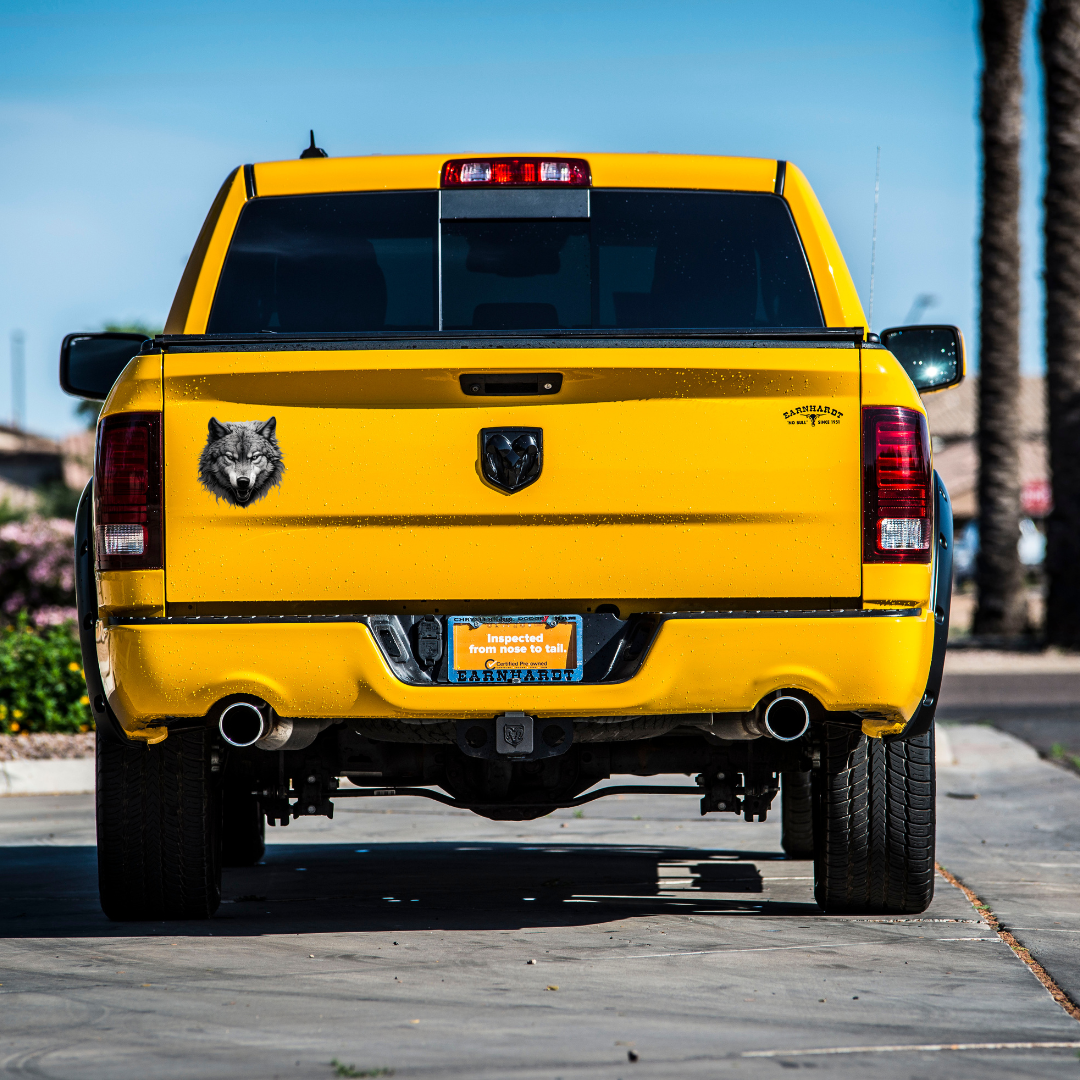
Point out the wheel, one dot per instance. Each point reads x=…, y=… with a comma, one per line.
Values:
x=874, y=821
x=243, y=828
x=796, y=815
x=158, y=828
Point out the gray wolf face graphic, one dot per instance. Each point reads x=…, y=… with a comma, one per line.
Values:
x=241, y=461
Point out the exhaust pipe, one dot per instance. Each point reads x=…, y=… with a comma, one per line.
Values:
x=786, y=718
x=243, y=724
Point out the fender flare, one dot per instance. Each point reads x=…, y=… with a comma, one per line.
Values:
x=108, y=726
x=941, y=600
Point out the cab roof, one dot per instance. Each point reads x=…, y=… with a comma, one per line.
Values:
x=423, y=171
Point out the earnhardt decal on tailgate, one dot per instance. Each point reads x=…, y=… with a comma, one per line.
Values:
x=814, y=415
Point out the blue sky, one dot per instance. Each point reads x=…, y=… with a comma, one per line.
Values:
x=118, y=122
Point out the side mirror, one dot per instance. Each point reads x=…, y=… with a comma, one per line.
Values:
x=933, y=356
x=91, y=363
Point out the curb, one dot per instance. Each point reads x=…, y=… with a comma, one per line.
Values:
x=50, y=777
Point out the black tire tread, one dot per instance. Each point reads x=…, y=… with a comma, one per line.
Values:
x=902, y=824
x=874, y=824
x=841, y=821
x=158, y=829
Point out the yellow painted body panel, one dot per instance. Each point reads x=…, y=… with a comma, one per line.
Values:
x=336, y=670
x=381, y=503
x=202, y=297
x=138, y=389
x=891, y=585
x=414, y=172
x=687, y=171
x=884, y=381
x=131, y=592
x=420, y=171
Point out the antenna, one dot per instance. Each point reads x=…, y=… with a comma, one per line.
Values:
x=312, y=150
x=873, y=242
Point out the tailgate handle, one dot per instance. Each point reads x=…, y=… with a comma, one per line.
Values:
x=515, y=385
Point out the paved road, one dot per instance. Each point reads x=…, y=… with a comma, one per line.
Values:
x=1035, y=697
x=402, y=939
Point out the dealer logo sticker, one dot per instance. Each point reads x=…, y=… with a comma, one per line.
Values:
x=813, y=415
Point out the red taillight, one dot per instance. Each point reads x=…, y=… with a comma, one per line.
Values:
x=516, y=172
x=896, y=486
x=127, y=492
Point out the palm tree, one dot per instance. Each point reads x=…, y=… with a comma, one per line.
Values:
x=1059, y=36
x=1002, y=611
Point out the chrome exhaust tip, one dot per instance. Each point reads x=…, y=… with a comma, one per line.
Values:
x=254, y=723
x=786, y=718
x=243, y=724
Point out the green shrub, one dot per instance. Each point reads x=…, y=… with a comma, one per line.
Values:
x=41, y=679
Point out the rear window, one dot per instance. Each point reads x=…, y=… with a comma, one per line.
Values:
x=331, y=263
x=641, y=260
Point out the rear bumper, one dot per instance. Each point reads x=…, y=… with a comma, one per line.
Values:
x=870, y=662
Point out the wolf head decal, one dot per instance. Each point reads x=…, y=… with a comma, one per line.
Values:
x=241, y=461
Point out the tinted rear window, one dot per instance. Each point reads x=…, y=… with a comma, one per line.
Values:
x=643, y=259
x=331, y=263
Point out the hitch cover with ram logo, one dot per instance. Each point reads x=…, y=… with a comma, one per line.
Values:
x=515, y=736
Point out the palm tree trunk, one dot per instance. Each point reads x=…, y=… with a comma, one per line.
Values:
x=1002, y=611
x=1059, y=35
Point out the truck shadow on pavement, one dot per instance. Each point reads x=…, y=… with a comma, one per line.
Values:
x=50, y=891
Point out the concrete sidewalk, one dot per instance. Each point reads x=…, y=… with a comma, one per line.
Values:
x=1017, y=843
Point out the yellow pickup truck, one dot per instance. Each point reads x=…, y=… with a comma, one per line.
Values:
x=487, y=479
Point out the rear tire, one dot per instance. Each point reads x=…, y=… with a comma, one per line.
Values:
x=158, y=828
x=902, y=821
x=796, y=815
x=874, y=819
x=243, y=828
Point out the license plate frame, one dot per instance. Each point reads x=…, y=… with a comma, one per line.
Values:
x=512, y=668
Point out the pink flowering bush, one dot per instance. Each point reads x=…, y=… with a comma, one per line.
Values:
x=41, y=678
x=37, y=570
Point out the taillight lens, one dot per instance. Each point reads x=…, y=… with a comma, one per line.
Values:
x=517, y=172
x=127, y=492
x=897, y=523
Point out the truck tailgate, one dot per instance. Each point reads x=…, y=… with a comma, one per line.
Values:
x=672, y=477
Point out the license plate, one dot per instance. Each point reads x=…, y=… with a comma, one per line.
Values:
x=515, y=649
